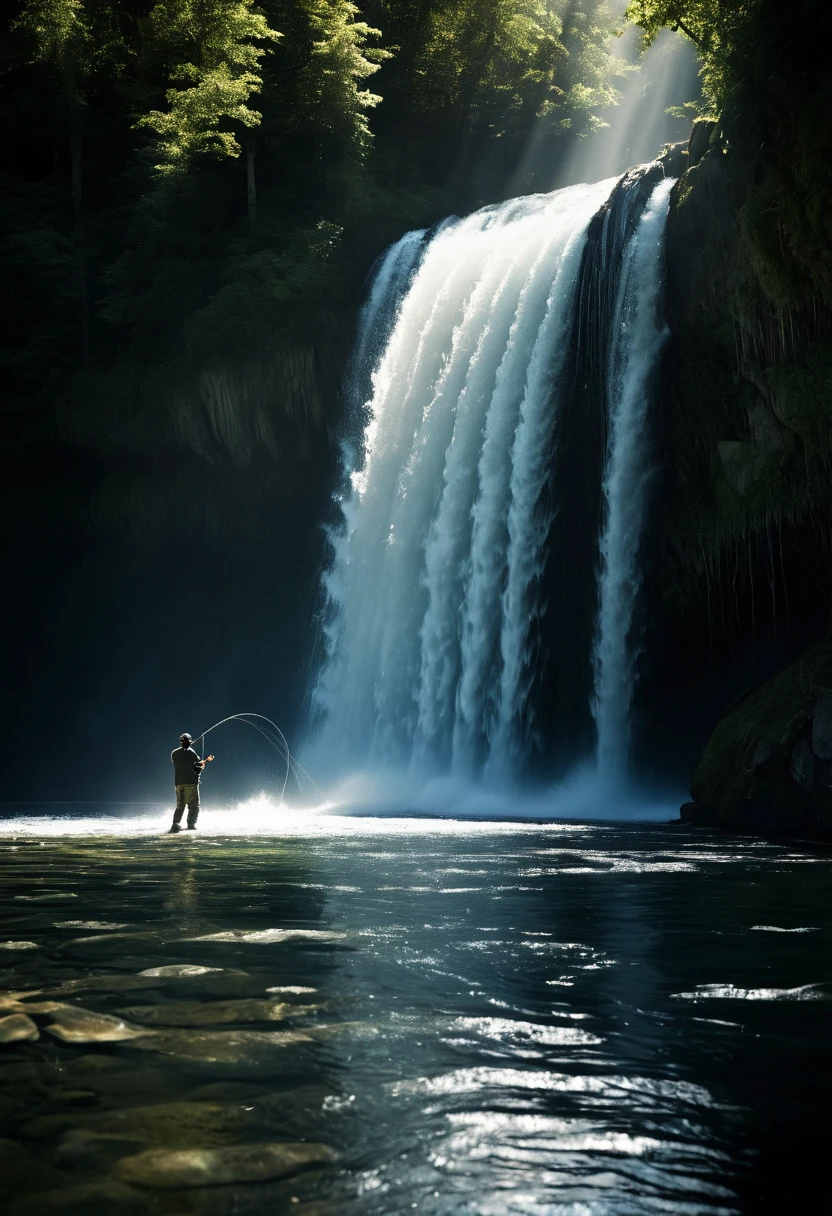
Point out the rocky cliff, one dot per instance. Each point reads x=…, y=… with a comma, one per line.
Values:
x=745, y=538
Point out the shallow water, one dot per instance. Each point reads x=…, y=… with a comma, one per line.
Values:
x=485, y=1018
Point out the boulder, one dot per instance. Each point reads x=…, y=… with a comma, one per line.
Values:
x=163, y=1169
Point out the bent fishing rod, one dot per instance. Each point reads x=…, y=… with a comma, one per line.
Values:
x=274, y=735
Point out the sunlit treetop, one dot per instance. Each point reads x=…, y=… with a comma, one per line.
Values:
x=221, y=43
x=721, y=30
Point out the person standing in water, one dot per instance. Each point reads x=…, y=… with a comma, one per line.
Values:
x=187, y=770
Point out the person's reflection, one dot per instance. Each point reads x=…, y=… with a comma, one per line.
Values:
x=182, y=898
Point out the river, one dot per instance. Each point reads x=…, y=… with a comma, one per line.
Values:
x=587, y=1019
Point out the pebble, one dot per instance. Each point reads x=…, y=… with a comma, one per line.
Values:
x=162, y=1169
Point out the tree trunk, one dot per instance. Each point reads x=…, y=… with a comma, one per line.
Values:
x=251, y=181
x=76, y=145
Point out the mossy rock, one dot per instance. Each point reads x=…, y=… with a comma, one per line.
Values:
x=731, y=781
x=801, y=389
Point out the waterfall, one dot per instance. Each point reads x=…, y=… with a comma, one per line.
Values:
x=638, y=335
x=497, y=394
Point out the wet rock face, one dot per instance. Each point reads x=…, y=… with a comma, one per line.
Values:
x=768, y=764
x=822, y=728
x=162, y=1169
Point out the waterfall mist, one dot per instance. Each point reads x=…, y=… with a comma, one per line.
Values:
x=483, y=581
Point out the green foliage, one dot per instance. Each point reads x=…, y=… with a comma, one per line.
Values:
x=722, y=31
x=340, y=62
x=215, y=42
x=197, y=188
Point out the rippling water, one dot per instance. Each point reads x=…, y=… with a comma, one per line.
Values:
x=485, y=1018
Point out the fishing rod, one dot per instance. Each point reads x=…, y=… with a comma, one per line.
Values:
x=274, y=735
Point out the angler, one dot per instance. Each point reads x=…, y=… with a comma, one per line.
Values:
x=187, y=770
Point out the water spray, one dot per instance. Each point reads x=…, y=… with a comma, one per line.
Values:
x=272, y=732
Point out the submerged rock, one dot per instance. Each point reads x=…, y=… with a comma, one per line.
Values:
x=209, y=1013
x=72, y=1024
x=19, y=1168
x=89, y=1151
x=89, y=924
x=106, y=1198
x=18, y=945
x=180, y=1124
x=162, y=1169
x=45, y=897
x=270, y=936
x=18, y=1028
x=291, y=989
x=180, y=971
x=220, y=1046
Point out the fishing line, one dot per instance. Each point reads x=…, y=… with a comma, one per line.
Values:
x=275, y=736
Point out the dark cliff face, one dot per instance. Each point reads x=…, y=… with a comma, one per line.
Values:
x=741, y=555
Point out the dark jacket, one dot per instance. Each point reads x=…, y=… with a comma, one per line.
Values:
x=184, y=773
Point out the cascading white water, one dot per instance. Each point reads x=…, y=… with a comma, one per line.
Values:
x=639, y=332
x=438, y=568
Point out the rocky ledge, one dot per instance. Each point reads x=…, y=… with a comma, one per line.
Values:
x=768, y=763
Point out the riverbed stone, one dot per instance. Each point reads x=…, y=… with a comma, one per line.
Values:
x=18, y=1028
x=164, y=1169
x=20, y=1168
x=184, y=1124
x=106, y=1198
x=46, y=897
x=72, y=1024
x=18, y=945
x=179, y=971
x=81, y=1149
x=822, y=727
x=210, y=1013
x=28, y=1072
x=267, y=937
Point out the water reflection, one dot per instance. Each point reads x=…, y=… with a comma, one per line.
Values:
x=492, y=1019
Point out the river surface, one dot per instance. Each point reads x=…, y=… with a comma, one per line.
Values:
x=449, y=1017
